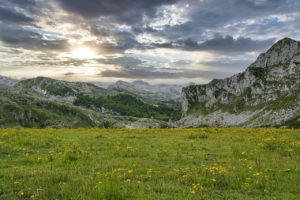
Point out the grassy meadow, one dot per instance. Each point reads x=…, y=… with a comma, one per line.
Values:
x=204, y=163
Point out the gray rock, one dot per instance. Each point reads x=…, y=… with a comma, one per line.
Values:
x=266, y=94
x=7, y=82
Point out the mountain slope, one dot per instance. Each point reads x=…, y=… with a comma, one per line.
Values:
x=18, y=109
x=27, y=110
x=266, y=94
x=160, y=92
x=7, y=82
x=46, y=102
x=57, y=89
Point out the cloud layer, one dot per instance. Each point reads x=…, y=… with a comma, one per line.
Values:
x=179, y=40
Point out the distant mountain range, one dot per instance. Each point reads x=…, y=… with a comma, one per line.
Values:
x=45, y=102
x=159, y=92
x=7, y=82
x=266, y=94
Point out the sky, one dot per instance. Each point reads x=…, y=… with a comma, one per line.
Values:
x=159, y=41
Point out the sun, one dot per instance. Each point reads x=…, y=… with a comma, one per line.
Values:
x=83, y=53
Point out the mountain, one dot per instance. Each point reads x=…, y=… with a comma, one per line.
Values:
x=267, y=93
x=61, y=90
x=46, y=102
x=158, y=92
x=20, y=109
x=7, y=82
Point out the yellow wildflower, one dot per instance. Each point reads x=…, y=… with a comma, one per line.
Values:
x=127, y=180
x=21, y=194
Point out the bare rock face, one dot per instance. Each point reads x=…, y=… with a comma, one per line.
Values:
x=158, y=92
x=266, y=94
x=7, y=82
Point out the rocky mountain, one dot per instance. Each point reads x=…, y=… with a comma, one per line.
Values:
x=267, y=93
x=61, y=90
x=46, y=102
x=7, y=82
x=157, y=92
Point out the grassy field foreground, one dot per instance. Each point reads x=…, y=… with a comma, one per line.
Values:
x=206, y=163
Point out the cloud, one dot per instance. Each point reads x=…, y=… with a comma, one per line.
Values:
x=204, y=18
x=126, y=62
x=151, y=73
x=19, y=37
x=69, y=74
x=228, y=43
x=113, y=40
x=220, y=44
x=228, y=63
x=30, y=7
x=133, y=68
x=11, y=15
x=125, y=11
x=151, y=38
x=20, y=2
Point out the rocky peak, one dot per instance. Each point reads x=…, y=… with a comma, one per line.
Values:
x=281, y=52
x=272, y=80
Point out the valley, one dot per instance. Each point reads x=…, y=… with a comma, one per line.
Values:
x=266, y=94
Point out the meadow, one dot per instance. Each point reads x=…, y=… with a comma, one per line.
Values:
x=113, y=164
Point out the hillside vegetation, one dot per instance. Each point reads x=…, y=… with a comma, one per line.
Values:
x=45, y=102
x=206, y=163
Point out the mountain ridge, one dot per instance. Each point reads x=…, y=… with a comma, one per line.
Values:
x=44, y=102
x=267, y=93
x=245, y=99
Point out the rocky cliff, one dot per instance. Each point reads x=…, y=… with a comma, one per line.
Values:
x=265, y=94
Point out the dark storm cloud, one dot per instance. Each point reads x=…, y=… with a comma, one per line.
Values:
x=127, y=11
x=19, y=37
x=11, y=15
x=220, y=44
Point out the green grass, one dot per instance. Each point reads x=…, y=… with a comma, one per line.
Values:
x=206, y=163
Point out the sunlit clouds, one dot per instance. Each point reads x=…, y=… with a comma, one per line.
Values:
x=171, y=41
x=82, y=53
